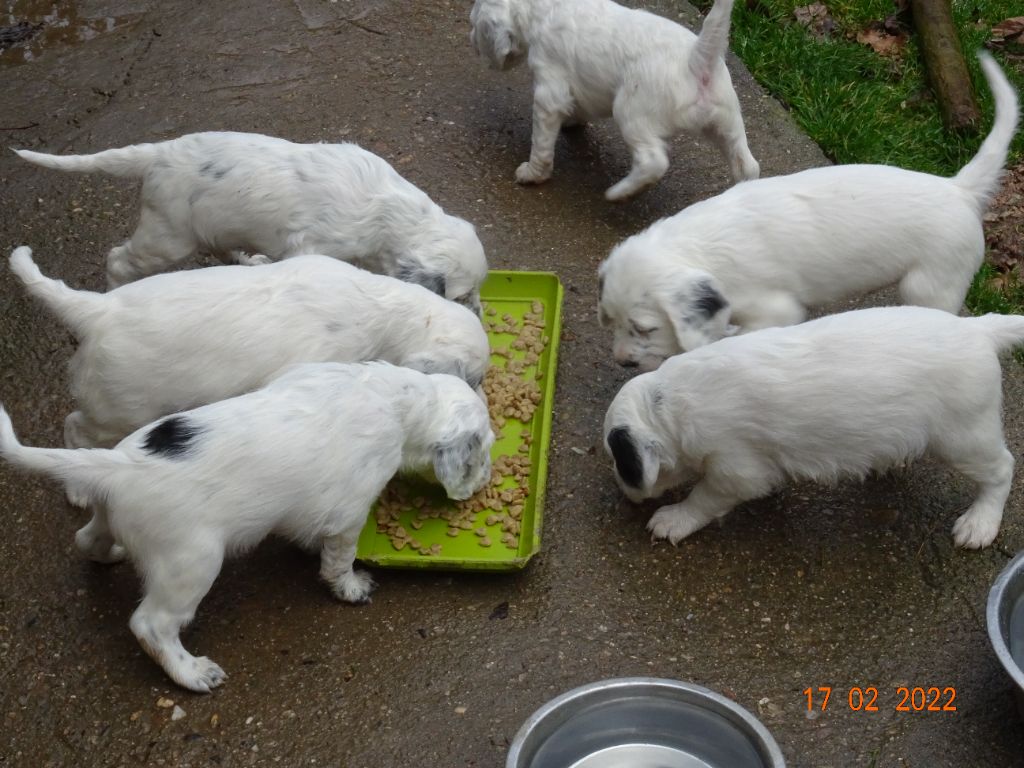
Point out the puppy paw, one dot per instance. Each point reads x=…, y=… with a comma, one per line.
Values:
x=354, y=587
x=527, y=174
x=202, y=676
x=669, y=523
x=620, y=191
x=974, y=530
x=77, y=496
x=252, y=259
x=115, y=553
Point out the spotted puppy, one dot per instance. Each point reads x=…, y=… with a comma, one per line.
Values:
x=183, y=339
x=836, y=397
x=224, y=193
x=304, y=458
x=595, y=59
x=763, y=252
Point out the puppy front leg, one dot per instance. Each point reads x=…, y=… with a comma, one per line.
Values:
x=552, y=103
x=336, y=559
x=677, y=521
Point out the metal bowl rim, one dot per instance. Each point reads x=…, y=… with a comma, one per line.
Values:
x=996, y=596
x=756, y=729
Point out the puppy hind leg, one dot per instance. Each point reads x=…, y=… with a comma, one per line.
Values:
x=95, y=541
x=650, y=161
x=81, y=432
x=174, y=588
x=938, y=291
x=552, y=103
x=731, y=140
x=337, y=557
x=159, y=242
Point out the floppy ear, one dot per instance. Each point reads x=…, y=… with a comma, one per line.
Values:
x=425, y=363
x=696, y=307
x=452, y=464
x=636, y=460
x=492, y=35
x=416, y=273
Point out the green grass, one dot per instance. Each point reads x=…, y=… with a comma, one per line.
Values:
x=863, y=108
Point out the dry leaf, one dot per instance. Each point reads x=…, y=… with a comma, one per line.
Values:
x=815, y=19
x=882, y=42
x=1008, y=29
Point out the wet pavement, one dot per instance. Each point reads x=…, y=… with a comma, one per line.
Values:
x=853, y=586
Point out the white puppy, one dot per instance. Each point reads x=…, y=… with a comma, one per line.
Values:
x=835, y=397
x=223, y=192
x=183, y=339
x=595, y=59
x=304, y=458
x=759, y=254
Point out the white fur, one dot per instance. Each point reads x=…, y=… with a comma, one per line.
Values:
x=761, y=253
x=840, y=396
x=595, y=59
x=226, y=192
x=183, y=339
x=304, y=458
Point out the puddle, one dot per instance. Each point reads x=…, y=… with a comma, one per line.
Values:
x=28, y=28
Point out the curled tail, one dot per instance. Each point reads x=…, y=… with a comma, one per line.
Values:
x=132, y=161
x=88, y=467
x=78, y=309
x=981, y=176
x=713, y=40
x=1006, y=331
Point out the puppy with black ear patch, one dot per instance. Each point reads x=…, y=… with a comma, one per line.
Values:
x=304, y=457
x=594, y=59
x=236, y=194
x=832, y=398
x=760, y=254
x=183, y=339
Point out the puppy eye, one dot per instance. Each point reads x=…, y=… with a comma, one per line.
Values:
x=640, y=330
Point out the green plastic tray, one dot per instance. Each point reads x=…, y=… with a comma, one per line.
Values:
x=511, y=293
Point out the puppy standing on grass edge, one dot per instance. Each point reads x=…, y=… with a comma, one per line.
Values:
x=304, y=458
x=225, y=193
x=596, y=59
x=837, y=397
x=760, y=253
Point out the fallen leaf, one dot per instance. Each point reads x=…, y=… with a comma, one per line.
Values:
x=1008, y=36
x=815, y=19
x=882, y=42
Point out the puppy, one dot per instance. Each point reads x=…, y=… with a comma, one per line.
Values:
x=759, y=254
x=595, y=59
x=835, y=397
x=179, y=340
x=222, y=192
x=305, y=457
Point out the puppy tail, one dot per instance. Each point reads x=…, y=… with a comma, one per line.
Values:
x=130, y=161
x=981, y=176
x=88, y=467
x=78, y=309
x=712, y=42
x=1006, y=331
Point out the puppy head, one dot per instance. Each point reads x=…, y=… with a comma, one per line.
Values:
x=461, y=454
x=455, y=343
x=493, y=34
x=657, y=309
x=449, y=260
x=630, y=429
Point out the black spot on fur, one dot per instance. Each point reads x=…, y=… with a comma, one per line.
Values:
x=600, y=288
x=657, y=396
x=220, y=173
x=301, y=176
x=171, y=437
x=474, y=381
x=627, y=460
x=707, y=301
x=414, y=273
x=209, y=168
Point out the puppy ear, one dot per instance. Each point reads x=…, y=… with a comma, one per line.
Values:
x=493, y=39
x=697, y=309
x=636, y=460
x=413, y=272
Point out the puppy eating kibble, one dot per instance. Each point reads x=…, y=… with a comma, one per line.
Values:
x=231, y=194
x=183, y=339
x=595, y=59
x=304, y=458
x=759, y=254
x=831, y=398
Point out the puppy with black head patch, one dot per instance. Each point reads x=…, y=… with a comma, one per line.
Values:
x=837, y=397
x=304, y=458
x=183, y=339
x=763, y=252
x=236, y=194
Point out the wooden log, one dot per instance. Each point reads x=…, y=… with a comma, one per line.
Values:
x=944, y=60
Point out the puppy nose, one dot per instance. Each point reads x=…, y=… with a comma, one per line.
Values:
x=628, y=363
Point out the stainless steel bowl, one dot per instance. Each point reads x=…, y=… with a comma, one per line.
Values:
x=643, y=722
x=1005, y=594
